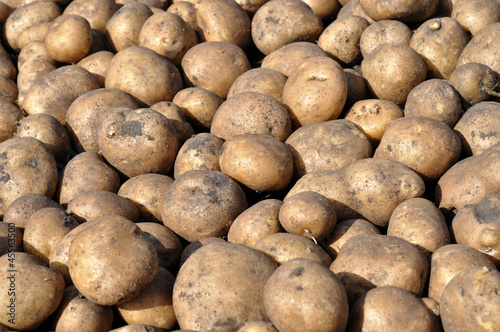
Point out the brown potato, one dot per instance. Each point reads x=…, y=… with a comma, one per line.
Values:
x=251, y=113
x=473, y=81
x=250, y=6
x=96, y=12
x=166, y=243
x=259, y=161
x=401, y=10
x=325, y=10
x=12, y=238
x=262, y=80
x=353, y=7
x=384, y=32
x=199, y=106
x=23, y=207
x=200, y=152
x=97, y=64
x=347, y=229
x=187, y=11
x=128, y=259
x=356, y=87
x=303, y=295
x=217, y=199
x=31, y=70
x=195, y=245
x=8, y=90
x=7, y=67
x=475, y=15
x=281, y=22
x=35, y=32
x=34, y=50
x=10, y=116
x=173, y=112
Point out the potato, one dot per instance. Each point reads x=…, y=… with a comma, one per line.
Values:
x=369, y=188
x=53, y=93
x=251, y=113
x=28, y=15
x=127, y=259
x=470, y=301
x=199, y=106
x=478, y=226
x=250, y=6
x=124, y=27
x=254, y=223
x=392, y=71
x=419, y=222
x=22, y=312
x=139, y=328
x=262, y=80
x=168, y=35
x=392, y=308
x=35, y=32
x=325, y=10
x=473, y=81
x=259, y=161
x=367, y=261
x=448, y=261
x=97, y=64
x=330, y=145
x=315, y=92
x=373, y=116
x=155, y=5
x=303, y=295
x=7, y=67
x=137, y=141
x=34, y=50
x=383, y=32
x=414, y=11
x=232, y=273
x=202, y=203
x=200, y=152
x=281, y=22
x=173, y=112
x=93, y=204
x=356, y=87
x=27, y=167
x=257, y=326
x=439, y=41
x=223, y=21
x=31, y=70
x=77, y=313
x=146, y=191
x=96, y=12
x=12, y=238
x=345, y=230
x=222, y=64
x=341, y=39
x=288, y=57
x=166, y=243
x=284, y=247
x=195, y=245
x=8, y=90
x=23, y=207
x=10, y=115
x=86, y=171
x=479, y=128
x=143, y=74
x=434, y=98
x=353, y=7
x=411, y=141
x=480, y=49
x=475, y=15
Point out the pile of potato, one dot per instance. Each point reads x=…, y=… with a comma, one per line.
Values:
x=250, y=165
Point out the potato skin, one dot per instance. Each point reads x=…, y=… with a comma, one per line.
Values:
x=383, y=32
x=475, y=15
x=414, y=11
x=199, y=106
x=97, y=63
x=31, y=70
x=470, y=80
x=262, y=80
x=23, y=207
x=345, y=230
x=96, y=12
x=10, y=115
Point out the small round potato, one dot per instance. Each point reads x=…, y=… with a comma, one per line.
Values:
x=35, y=32
x=23, y=207
x=8, y=90
x=34, y=50
x=96, y=12
x=259, y=161
x=166, y=243
x=31, y=70
x=347, y=229
x=173, y=112
x=10, y=115
x=353, y=7
x=326, y=10
x=262, y=80
x=473, y=81
x=187, y=11
x=474, y=15
x=384, y=32
x=97, y=64
x=303, y=295
x=199, y=106
x=200, y=152
x=356, y=87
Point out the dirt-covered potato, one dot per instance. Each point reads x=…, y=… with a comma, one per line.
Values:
x=392, y=71
x=392, y=308
x=303, y=295
x=435, y=98
x=479, y=128
x=254, y=223
x=439, y=41
x=326, y=10
x=171, y=111
x=450, y=260
x=10, y=115
x=478, y=226
x=7, y=67
x=473, y=81
x=347, y=229
x=127, y=260
x=199, y=106
x=384, y=32
x=31, y=70
x=373, y=116
x=23, y=207
x=281, y=22
x=330, y=145
x=96, y=12
x=419, y=222
x=202, y=203
x=137, y=141
x=316, y=91
x=34, y=50
x=8, y=89
x=412, y=142
x=474, y=15
x=367, y=261
x=97, y=64
x=341, y=39
x=195, y=245
x=26, y=167
x=12, y=238
x=144, y=74
x=356, y=87
x=369, y=188
x=44, y=230
x=401, y=10
x=222, y=64
x=35, y=32
x=21, y=311
x=471, y=300
x=200, y=152
x=93, y=204
x=353, y=7
x=259, y=161
x=124, y=27
x=86, y=171
x=262, y=80
x=288, y=57
x=283, y=247
x=76, y=313
x=251, y=113
x=166, y=243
